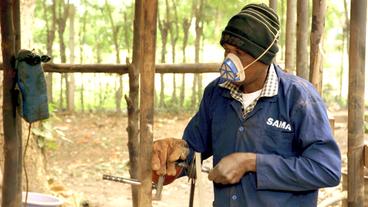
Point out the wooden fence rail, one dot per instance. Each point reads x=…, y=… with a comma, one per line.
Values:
x=122, y=68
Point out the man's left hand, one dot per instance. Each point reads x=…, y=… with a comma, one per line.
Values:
x=232, y=167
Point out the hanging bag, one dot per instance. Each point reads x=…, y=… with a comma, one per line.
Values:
x=31, y=83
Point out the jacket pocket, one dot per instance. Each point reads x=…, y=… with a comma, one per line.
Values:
x=278, y=142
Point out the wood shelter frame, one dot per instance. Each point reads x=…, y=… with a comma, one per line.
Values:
x=144, y=40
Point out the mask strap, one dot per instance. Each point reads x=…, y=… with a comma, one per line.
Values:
x=259, y=57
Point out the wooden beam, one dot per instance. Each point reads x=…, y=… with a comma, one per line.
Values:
x=147, y=100
x=123, y=68
x=12, y=177
x=356, y=103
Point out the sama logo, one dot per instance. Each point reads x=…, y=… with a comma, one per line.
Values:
x=278, y=124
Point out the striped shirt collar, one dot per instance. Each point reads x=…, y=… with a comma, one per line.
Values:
x=269, y=89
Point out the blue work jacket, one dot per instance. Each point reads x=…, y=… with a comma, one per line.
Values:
x=290, y=134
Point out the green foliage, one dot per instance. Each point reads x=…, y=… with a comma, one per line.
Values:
x=332, y=99
x=45, y=135
x=98, y=46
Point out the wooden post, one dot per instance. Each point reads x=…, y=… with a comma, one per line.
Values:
x=132, y=100
x=356, y=103
x=290, y=37
x=12, y=177
x=366, y=156
x=147, y=100
x=302, y=40
x=273, y=4
x=318, y=26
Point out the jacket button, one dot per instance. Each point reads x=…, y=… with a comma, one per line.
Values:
x=241, y=128
x=234, y=197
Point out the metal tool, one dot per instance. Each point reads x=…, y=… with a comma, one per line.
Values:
x=191, y=172
x=130, y=181
x=160, y=184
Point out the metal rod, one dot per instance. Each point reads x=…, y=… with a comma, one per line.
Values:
x=160, y=184
x=121, y=179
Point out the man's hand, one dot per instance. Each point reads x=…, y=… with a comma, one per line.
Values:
x=232, y=167
x=165, y=153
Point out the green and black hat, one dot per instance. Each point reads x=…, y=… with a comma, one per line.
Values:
x=254, y=30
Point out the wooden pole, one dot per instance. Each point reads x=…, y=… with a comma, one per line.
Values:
x=12, y=177
x=290, y=38
x=356, y=103
x=147, y=100
x=273, y=4
x=316, y=59
x=133, y=99
x=123, y=69
x=366, y=156
x=302, y=40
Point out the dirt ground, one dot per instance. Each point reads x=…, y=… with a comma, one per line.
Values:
x=91, y=145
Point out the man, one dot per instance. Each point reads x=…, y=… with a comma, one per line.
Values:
x=268, y=131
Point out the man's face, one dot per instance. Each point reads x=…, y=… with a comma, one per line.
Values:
x=252, y=74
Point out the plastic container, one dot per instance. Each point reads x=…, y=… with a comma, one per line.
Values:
x=41, y=200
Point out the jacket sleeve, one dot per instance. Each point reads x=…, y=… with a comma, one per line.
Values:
x=318, y=163
x=198, y=131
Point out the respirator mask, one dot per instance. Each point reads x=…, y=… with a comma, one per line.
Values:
x=232, y=68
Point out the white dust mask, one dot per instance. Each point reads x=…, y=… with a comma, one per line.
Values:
x=232, y=68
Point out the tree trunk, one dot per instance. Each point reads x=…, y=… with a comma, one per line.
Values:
x=174, y=33
x=50, y=30
x=316, y=59
x=163, y=26
x=302, y=40
x=119, y=94
x=345, y=37
x=61, y=19
x=273, y=4
x=126, y=27
x=70, y=86
x=357, y=47
x=186, y=26
x=61, y=98
x=82, y=40
x=197, y=46
x=290, y=40
x=12, y=126
x=281, y=54
x=115, y=37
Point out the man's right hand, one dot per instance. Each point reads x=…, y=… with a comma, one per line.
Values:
x=165, y=153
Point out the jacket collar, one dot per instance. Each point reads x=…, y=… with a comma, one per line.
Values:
x=269, y=89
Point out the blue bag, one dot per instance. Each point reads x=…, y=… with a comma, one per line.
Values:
x=31, y=83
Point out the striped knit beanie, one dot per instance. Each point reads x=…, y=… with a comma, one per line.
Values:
x=254, y=30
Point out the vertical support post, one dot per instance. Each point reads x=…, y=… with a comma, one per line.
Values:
x=133, y=99
x=273, y=4
x=290, y=37
x=366, y=156
x=316, y=59
x=12, y=177
x=147, y=100
x=356, y=103
x=302, y=40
